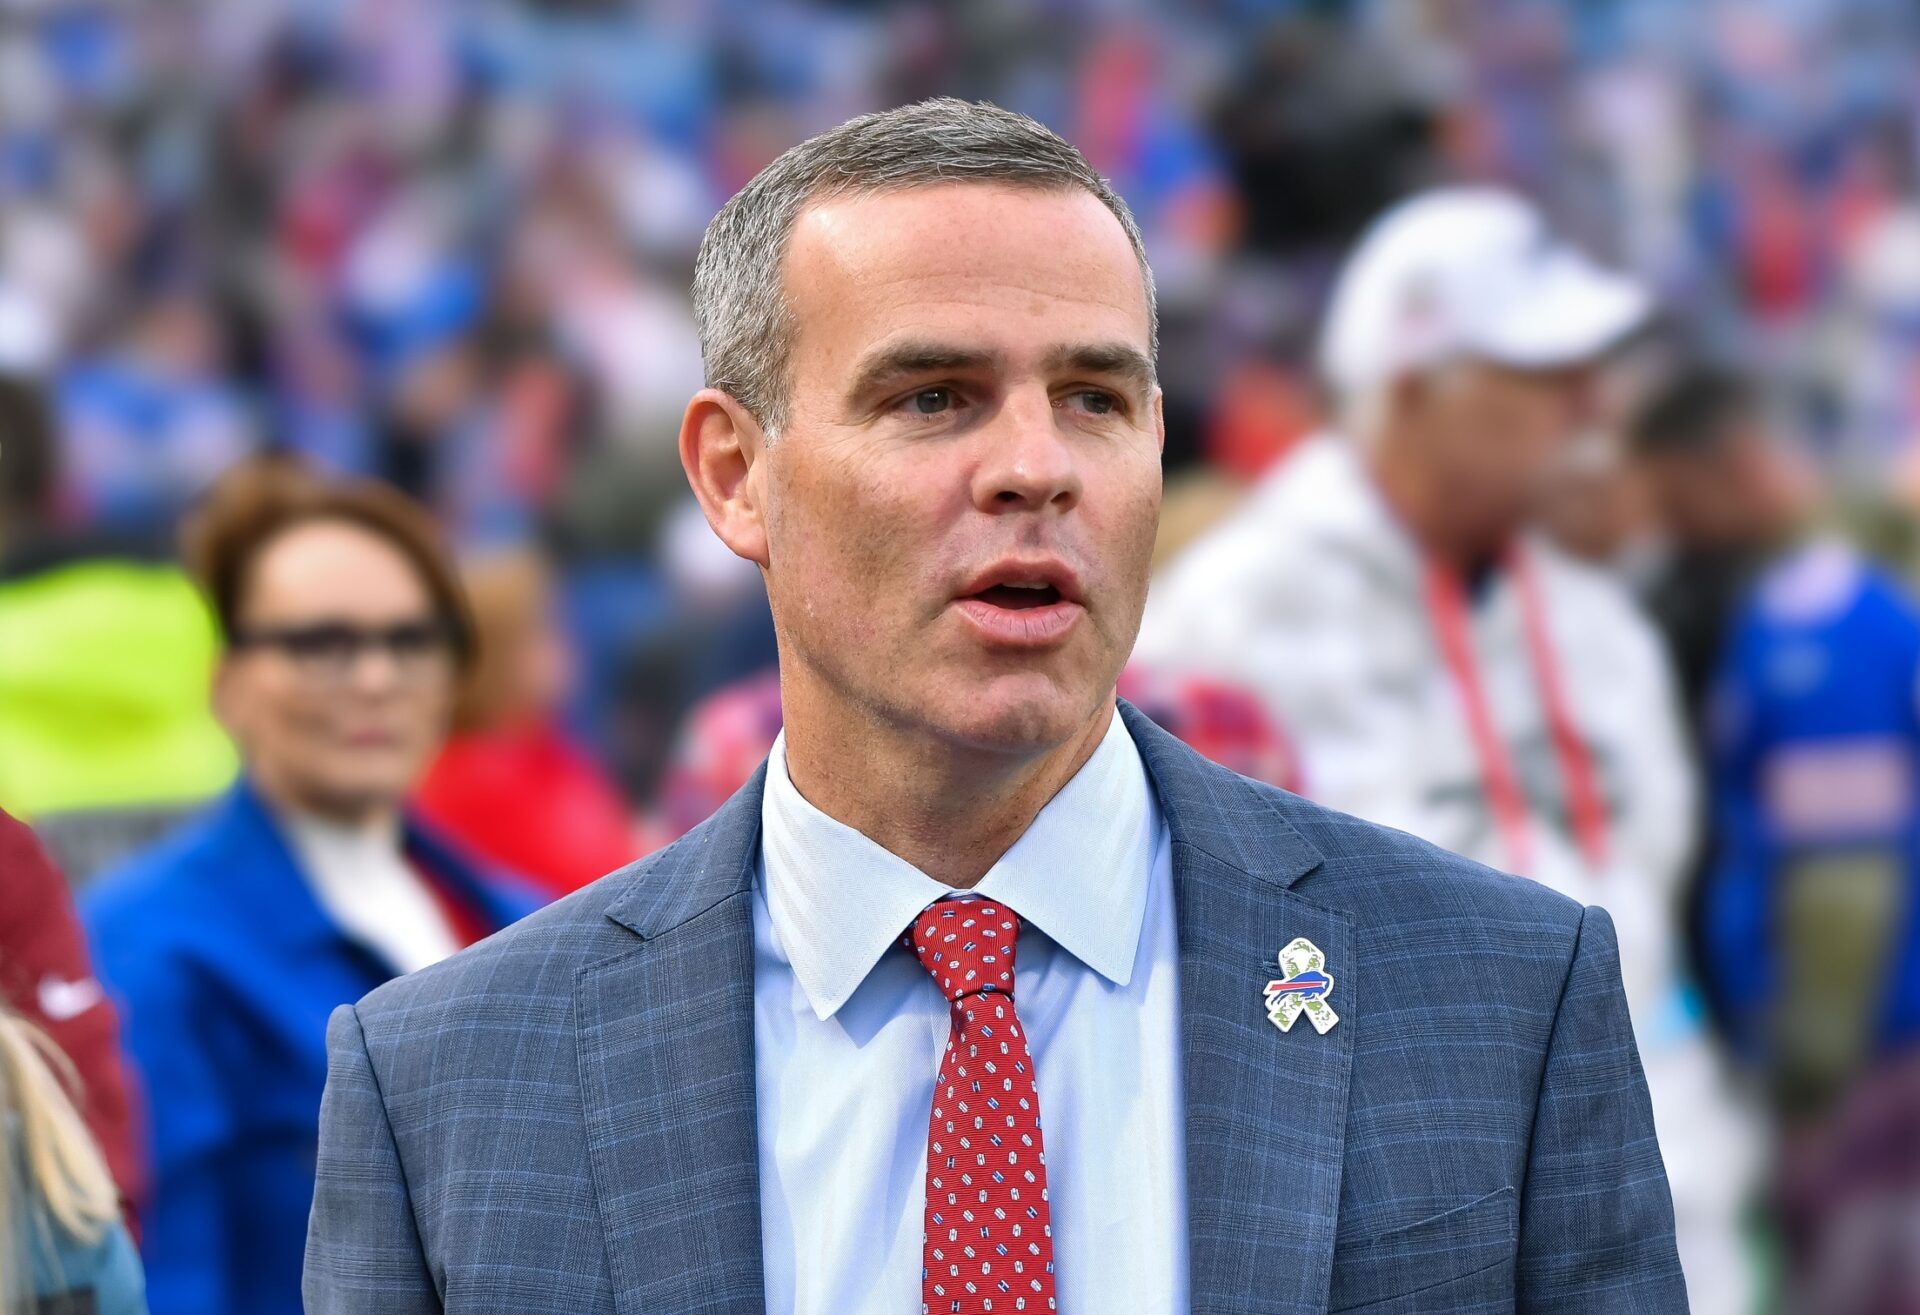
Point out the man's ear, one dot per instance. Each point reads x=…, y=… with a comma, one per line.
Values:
x=720, y=444
x=1160, y=417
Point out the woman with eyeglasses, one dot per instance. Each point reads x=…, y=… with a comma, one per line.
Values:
x=306, y=886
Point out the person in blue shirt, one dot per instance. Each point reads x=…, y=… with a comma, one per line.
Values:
x=1727, y=500
x=306, y=886
x=1812, y=935
x=1810, y=925
x=1800, y=660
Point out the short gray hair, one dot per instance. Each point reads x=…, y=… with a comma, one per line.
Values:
x=739, y=291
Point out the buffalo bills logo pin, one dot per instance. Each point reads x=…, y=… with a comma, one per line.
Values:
x=1303, y=990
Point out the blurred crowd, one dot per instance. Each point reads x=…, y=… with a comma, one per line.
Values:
x=352, y=603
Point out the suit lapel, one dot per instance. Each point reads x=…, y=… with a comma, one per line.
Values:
x=1266, y=1110
x=665, y=1032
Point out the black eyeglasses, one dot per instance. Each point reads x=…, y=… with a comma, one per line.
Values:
x=330, y=650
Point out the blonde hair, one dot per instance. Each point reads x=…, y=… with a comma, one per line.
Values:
x=51, y=1174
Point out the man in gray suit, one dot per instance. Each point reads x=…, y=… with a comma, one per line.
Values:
x=985, y=995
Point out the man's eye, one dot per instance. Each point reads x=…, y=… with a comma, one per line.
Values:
x=931, y=401
x=1096, y=402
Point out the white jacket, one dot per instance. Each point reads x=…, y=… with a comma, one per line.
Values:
x=1313, y=595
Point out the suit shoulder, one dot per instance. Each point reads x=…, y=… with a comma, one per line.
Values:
x=1380, y=874
x=1370, y=872
x=534, y=957
x=530, y=965
x=1434, y=930
x=1434, y=926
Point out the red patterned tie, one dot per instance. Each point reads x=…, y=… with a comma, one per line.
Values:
x=987, y=1244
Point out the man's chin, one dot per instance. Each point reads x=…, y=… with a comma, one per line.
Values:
x=1024, y=715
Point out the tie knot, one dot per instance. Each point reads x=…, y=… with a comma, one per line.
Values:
x=967, y=946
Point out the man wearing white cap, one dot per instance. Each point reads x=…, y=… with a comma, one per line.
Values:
x=1441, y=669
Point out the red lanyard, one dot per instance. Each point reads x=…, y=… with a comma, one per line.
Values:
x=1446, y=600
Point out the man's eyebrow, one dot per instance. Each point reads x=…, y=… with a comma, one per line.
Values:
x=1110, y=358
x=907, y=359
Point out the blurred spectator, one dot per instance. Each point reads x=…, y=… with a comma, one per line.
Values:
x=1805, y=659
x=510, y=785
x=1225, y=722
x=1446, y=671
x=1595, y=508
x=1812, y=938
x=1848, y=1183
x=722, y=743
x=101, y=753
x=1811, y=932
x=1728, y=495
x=306, y=886
x=446, y=243
x=728, y=734
x=150, y=421
x=47, y=978
x=1725, y=497
x=62, y=1245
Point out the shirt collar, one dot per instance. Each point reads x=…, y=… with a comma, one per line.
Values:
x=838, y=901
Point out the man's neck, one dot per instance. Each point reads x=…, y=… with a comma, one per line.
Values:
x=949, y=810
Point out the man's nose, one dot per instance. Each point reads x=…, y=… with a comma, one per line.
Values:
x=1030, y=464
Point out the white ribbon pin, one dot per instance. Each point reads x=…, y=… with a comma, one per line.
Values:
x=1304, y=989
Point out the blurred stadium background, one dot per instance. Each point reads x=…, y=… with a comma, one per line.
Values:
x=446, y=244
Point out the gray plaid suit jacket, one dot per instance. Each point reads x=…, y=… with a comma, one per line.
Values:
x=561, y=1119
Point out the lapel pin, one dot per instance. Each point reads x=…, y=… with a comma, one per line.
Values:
x=1304, y=989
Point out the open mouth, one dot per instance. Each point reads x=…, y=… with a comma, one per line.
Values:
x=1023, y=605
x=1018, y=597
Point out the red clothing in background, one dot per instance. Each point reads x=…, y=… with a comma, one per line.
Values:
x=47, y=977
x=533, y=803
x=728, y=734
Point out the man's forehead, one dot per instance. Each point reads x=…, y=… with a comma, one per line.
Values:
x=900, y=217
x=925, y=252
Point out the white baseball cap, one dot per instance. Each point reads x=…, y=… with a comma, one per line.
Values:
x=1470, y=272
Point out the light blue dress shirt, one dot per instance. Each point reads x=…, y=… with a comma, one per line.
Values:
x=849, y=1031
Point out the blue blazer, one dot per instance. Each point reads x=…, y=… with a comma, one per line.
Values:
x=225, y=968
x=561, y=1121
